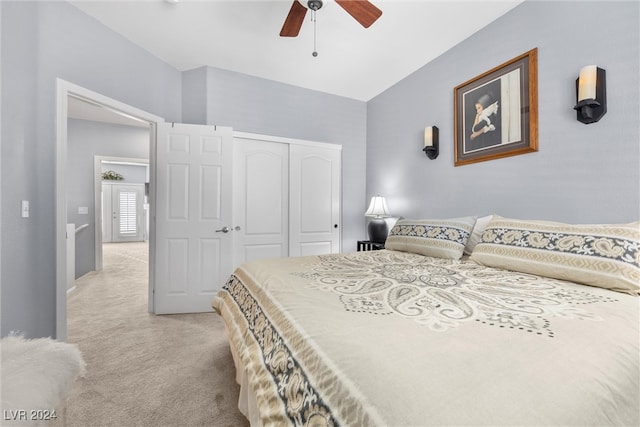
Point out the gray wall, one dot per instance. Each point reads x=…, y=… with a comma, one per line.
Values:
x=131, y=174
x=582, y=173
x=252, y=104
x=86, y=139
x=41, y=41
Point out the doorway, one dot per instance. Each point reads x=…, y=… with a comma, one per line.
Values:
x=123, y=213
x=104, y=164
x=64, y=92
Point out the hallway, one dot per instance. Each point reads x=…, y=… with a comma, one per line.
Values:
x=144, y=369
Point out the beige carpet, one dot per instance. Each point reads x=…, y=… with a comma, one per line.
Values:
x=142, y=369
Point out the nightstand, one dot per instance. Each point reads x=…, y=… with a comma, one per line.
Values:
x=367, y=245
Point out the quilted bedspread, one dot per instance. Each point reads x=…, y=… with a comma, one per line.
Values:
x=393, y=338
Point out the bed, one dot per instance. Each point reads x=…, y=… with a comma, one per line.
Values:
x=539, y=325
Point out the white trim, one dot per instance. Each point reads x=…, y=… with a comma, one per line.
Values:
x=64, y=89
x=1, y=240
x=151, y=199
x=247, y=135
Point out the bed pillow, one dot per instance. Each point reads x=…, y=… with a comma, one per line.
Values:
x=444, y=238
x=476, y=233
x=602, y=255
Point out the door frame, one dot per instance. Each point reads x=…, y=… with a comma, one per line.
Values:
x=97, y=202
x=64, y=90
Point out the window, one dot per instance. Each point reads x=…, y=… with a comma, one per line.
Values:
x=128, y=214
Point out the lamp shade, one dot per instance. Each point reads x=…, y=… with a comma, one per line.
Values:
x=428, y=135
x=587, y=82
x=378, y=208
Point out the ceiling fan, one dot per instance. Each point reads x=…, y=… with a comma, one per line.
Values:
x=361, y=10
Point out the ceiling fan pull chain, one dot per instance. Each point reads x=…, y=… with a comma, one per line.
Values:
x=313, y=18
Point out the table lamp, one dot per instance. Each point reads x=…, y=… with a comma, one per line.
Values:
x=377, y=228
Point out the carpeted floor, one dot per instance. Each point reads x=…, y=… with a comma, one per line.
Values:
x=142, y=369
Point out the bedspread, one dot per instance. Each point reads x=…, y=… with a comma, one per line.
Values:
x=393, y=338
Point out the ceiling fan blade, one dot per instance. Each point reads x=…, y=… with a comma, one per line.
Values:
x=361, y=10
x=294, y=20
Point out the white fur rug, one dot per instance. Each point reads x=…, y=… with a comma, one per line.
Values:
x=36, y=376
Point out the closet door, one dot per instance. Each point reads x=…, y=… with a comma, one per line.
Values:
x=314, y=188
x=261, y=199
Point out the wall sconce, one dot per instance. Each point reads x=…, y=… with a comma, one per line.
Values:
x=431, y=142
x=591, y=94
x=377, y=228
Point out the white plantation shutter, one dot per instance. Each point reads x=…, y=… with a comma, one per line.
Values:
x=128, y=212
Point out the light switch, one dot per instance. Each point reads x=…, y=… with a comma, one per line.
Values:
x=25, y=209
x=83, y=210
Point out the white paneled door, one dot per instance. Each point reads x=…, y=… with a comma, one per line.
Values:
x=261, y=199
x=314, y=191
x=193, y=222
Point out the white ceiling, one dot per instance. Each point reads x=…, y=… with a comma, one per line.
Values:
x=80, y=109
x=243, y=36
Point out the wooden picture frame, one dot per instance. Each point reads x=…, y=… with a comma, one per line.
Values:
x=496, y=113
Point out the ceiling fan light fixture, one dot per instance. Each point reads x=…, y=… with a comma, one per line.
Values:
x=361, y=10
x=314, y=4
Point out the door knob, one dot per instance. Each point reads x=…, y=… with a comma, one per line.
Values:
x=223, y=230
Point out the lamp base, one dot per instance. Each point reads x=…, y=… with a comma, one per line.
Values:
x=431, y=152
x=590, y=111
x=378, y=230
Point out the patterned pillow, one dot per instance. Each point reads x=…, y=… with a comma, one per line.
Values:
x=602, y=255
x=443, y=238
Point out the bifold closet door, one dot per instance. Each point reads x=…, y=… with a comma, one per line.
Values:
x=314, y=191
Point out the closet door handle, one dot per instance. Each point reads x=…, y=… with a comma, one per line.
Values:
x=223, y=230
